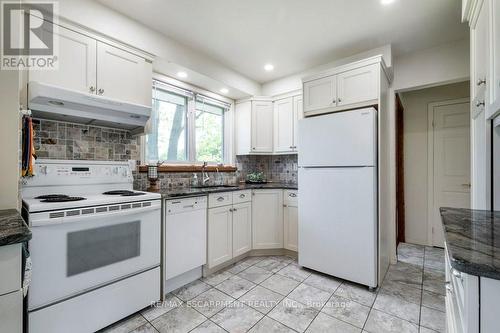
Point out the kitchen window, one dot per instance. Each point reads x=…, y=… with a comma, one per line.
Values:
x=185, y=127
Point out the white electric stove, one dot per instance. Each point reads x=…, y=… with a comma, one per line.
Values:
x=95, y=246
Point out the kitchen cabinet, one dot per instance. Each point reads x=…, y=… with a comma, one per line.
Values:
x=290, y=220
x=11, y=295
x=350, y=86
x=90, y=65
x=76, y=62
x=357, y=85
x=133, y=84
x=229, y=226
x=11, y=312
x=320, y=93
x=287, y=113
x=220, y=235
x=267, y=219
x=242, y=228
x=254, y=126
x=494, y=41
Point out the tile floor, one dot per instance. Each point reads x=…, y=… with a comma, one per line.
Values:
x=274, y=294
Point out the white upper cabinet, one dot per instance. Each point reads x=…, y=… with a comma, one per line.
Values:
x=298, y=113
x=254, y=127
x=358, y=85
x=267, y=219
x=76, y=63
x=479, y=41
x=320, y=94
x=283, y=125
x=123, y=76
x=92, y=66
x=350, y=86
x=494, y=56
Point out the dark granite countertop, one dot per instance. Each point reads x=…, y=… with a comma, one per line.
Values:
x=473, y=240
x=12, y=228
x=194, y=191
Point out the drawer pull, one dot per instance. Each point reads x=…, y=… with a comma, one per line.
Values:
x=448, y=287
x=293, y=195
x=456, y=274
x=220, y=199
x=242, y=196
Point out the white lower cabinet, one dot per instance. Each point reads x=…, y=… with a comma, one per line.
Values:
x=11, y=312
x=220, y=235
x=229, y=227
x=290, y=220
x=242, y=228
x=267, y=219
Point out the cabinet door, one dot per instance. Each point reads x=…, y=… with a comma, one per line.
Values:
x=11, y=312
x=123, y=76
x=283, y=125
x=358, y=85
x=298, y=113
x=291, y=223
x=495, y=54
x=267, y=219
x=242, y=228
x=220, y=235
x=262, y=127
x=320, y=94
x=76, y=63
x=479, y=50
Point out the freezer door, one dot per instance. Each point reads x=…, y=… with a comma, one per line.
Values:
x=338, y=222
x=339, y=139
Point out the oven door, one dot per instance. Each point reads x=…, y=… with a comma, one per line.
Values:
x=76, y=254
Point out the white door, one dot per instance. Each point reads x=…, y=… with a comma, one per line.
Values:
x=451, y=169
x=76, y=63
x=339, y=139
x=283, y=125
x=242, y=228
x=123, y=76
x=298, y=113
x=262, y=127
x=358, y=85
x=267, y=219
x=291, y=220
x=220, y=235
x=320, y=94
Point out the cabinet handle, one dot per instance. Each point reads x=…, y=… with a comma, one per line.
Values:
x=100, y=91
x=293, y=195
x=220, y=199
x=481, y=81
x=230, y=209
x=242, y=195
x=339, y=100
x=478, y=103
x=253, y=148
x=92, y=89
x=234, y=209
x=284, y=205
x=449, y=287
x=456, y=274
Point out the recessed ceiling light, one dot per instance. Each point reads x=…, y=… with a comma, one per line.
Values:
x=268, y=67
x=224, y=90
x=386, y=2
x=182, y=74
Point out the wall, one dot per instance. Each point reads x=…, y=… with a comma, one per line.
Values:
x=416, y=154
x=60, y=140
x=294, y=82
x=9, y=138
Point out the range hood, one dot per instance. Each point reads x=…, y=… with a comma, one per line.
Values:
x=52, y=102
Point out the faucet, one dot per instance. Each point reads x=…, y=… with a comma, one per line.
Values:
x=204, y=173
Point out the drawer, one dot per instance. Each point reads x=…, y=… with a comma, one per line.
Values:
x=242, y=196
x=290, y=197
x=10, y=266
x=220, y=199
x=176, y=206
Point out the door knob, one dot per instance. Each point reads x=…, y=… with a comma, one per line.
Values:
x=481, y=81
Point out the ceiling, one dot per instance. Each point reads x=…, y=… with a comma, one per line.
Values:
x=295, y=35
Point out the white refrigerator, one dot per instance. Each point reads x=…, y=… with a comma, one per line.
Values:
x=338, y=222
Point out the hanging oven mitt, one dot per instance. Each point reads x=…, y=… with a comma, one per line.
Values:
x=28, y=148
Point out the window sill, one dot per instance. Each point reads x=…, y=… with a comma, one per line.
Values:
x=190, y=168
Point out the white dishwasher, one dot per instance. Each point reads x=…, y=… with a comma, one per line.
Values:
x=185, y=239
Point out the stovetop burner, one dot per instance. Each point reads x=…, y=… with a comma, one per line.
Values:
x=51, y=196
x=64, y=198
x=124, y=193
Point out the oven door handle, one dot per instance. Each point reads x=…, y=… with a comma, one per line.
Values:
x=47, y=222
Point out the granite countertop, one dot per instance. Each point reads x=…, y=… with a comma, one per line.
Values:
x=12, y=228
x=194, y=191
x=473, y=240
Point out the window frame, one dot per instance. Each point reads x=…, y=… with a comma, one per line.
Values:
x=191, y=92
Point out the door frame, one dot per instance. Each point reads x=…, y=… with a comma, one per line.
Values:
x=400, y=186
x=430, y=159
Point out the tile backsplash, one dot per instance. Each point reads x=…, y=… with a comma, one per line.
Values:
x=282, y=168
x=67, y=141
